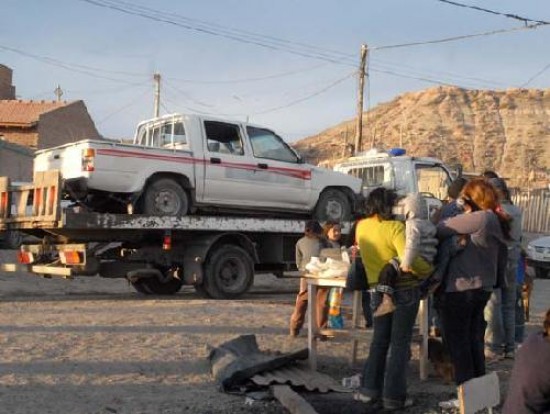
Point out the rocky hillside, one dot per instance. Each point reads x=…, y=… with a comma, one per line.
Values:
x=507, y=131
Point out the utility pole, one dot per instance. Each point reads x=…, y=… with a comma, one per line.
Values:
x=359, y=127
x=58, y=93
x=156, y=79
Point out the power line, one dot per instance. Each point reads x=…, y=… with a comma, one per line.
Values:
x=126, y=106
x=216, y=30
x=462, y=37
x=86, y=70
x=305, y=98
x=509, y=15
x=274, y=43
x=536, y=75
x=251, y=79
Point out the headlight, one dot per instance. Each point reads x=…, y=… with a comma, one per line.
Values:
x=529, y=247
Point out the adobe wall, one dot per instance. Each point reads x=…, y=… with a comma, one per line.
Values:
x=16, y=164
x=68, y=124
x=7, y=90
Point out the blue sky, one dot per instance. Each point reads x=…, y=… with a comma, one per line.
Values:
x=205, y=70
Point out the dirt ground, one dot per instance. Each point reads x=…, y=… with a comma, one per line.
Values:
x=93, y=345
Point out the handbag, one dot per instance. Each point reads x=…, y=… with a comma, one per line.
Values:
x=357, y=277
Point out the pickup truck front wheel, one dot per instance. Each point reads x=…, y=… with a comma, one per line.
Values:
x=165, y=197
x=229, y=272
x=333, y=205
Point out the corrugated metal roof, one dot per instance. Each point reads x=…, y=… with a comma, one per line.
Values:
x=25, y=113
x=299, y=375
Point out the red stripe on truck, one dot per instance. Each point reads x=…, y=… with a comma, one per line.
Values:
x=290, y=172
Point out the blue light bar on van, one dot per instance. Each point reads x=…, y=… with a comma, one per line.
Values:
x=396, y=152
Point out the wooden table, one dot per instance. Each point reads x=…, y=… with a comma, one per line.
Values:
x=354, y=334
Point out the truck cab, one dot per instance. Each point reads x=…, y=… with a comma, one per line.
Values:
x=398, y=171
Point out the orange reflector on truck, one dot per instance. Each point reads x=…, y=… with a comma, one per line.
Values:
x=88, y=155
x=70, y=257
x=25, y=257
x=88, y=152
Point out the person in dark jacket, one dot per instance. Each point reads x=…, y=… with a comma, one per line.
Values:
x=529, y=387
x=470, y=277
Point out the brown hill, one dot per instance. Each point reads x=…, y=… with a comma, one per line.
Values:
x=506, y=131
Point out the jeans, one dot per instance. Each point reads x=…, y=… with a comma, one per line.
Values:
x=500, y=314
x=385, y=371
x=520, y=316
x=367, y=310
x=463, y=330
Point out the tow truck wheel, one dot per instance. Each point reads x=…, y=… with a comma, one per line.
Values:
x=541, y=273
x=333, y=205
x=165, y=197
x=229, y=272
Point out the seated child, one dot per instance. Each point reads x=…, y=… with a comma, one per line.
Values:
x=420, y=242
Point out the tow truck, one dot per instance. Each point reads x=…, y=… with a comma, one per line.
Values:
x=218, y=255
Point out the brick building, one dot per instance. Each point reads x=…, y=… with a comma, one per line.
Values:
x=36, y=125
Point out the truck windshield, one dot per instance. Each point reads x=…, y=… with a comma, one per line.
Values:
x=266, y=144
x=433, y=180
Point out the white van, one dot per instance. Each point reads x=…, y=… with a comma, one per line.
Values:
x=396, y=170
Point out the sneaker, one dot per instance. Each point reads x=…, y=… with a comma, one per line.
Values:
x=449, y=404
x=491, y=357
x=359, y=396
x=387, y=306
x=394, y=406
x=509, y=355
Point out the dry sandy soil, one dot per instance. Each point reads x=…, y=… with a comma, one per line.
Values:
x=94, y=345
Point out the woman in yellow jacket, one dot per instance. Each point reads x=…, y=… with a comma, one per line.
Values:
x=381, y=238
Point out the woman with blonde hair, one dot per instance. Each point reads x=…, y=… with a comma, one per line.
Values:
x=471, y=276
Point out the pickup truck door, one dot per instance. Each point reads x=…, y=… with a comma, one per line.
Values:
x=228, y=170
x=279, y=179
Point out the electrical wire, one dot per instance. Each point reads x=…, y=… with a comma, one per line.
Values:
x=509, y=15
x=462, y=37
x=252, y=79
x=305, y=98
x=216, y=30
x=86, y=70
x=536, y=75
x=186, y=94
x=126, y=106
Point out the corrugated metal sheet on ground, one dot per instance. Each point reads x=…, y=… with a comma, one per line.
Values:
x=299, y=376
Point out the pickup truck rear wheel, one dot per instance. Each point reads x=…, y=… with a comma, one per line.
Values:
x=333, y=205
x=229, y=272
x=165, y=197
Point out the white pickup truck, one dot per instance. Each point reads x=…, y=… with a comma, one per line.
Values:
x=180, y=164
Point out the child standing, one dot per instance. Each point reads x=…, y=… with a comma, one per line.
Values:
x=307, y=247
x=420, y=242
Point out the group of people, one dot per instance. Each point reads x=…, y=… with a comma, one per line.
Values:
x=468, y=255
